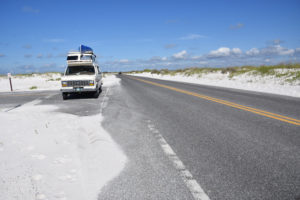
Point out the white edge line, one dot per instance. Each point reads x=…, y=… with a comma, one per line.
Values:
x=102, y=103
x=194, y=187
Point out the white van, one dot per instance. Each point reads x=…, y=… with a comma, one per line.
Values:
x=81, y=75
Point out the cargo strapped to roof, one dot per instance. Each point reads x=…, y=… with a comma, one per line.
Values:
x=85, y=49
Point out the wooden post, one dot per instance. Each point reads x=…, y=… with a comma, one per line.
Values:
x=9, y=77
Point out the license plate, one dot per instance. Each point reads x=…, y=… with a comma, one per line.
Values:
x=78, y=89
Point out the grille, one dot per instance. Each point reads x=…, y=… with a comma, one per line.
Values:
x=77, y=83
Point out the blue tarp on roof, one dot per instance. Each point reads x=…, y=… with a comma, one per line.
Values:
x=83, y=48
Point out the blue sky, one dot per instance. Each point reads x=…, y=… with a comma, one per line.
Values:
x=132, y=35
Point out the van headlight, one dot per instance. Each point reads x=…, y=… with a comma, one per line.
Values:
x=91, y=83
x=64, y=83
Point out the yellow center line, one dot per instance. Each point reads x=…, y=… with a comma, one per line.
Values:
x=228, y=103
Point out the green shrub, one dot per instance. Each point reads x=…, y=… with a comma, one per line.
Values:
x=164, y=71
x=33, y=88
x=155, y=71
x=295, y=76
x=264, y=70
x=179, y=70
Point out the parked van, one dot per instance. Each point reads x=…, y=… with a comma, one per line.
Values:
x=82, y=74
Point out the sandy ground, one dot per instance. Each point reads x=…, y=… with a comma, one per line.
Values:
x=47, y=154
x=50, y=81
x=268, y=84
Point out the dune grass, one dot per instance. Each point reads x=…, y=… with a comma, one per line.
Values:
x=54, y=79
x=289, y=72
x=33, y=88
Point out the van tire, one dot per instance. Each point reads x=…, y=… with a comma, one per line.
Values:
x=65, y=96
x=96, y=94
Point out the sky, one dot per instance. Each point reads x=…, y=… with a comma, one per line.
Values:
x=135, y=35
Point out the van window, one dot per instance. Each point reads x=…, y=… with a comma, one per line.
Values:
x=72, y=58
x=84, y=57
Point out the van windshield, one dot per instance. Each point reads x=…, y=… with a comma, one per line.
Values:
x=78, y=70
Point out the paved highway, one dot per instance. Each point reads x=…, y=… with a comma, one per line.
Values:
x=187, y=141
x=81, y=105
x=236, y=144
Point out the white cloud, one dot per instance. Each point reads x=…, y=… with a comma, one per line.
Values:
x=54, y=40
x=196, y=57
x=277, y=41
x=272, y=50
x=221, y=52
x=221, y=57
x=27, y=46
x=203, y=62
x=225, y=52
x=237, y=26
x=236, y=51
x=287, y=52
x=29, y=9
x=124, y=61
x=283, y=51
x=49, y=55
x=49, y=65
x=277, y=50
x=26, y=67
x=155, y=58
x=180, y=55
x=192, y=37
x=170, y=46
x=158, y=58
x=63, y=55
x=252, y=52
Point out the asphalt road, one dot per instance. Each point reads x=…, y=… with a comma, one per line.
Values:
x=231, y=152
x=81, y=105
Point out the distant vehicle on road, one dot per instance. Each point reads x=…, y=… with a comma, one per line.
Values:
x=82, y=74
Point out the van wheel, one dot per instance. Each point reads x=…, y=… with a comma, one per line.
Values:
x=65, y=96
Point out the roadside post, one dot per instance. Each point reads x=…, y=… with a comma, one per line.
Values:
x=9, y=77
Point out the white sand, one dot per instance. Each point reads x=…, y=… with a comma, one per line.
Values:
x=46, y=154
x=268, y=84
x=49, y=81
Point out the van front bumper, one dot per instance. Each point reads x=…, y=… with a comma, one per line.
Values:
x=78, y=89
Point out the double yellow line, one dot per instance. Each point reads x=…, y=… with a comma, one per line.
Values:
x=227, y=103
